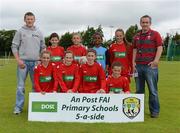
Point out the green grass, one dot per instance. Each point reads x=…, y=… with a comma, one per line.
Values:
x=168, y=122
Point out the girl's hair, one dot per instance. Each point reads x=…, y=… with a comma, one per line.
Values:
x=118, y=64
x=93, y=37
x=76, y=34
x=51, y=36
x=99, y=34
x=124, y=38
x=69, y=52
x=45, y=52
x=91, y=50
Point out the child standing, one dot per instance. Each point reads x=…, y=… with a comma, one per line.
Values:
x=68, y=74
x=116, y=83
x=77, y=48
x=101, y=51
x=57, y=52
x=121, y=51
x=92, y=75
x=44, y=74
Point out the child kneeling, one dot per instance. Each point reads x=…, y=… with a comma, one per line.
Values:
x=45, y=74
x=116, y=83
x=92, y=75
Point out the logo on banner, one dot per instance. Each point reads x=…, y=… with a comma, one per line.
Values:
x=131, y=107
x=41, y=106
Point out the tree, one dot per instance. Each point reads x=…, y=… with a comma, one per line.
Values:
x=87, y=36
x=47, y=40
x=107, y=43
x=176, y=37
x=66, y=40
x=6, y=38
x=131, y=31
x=99, y=29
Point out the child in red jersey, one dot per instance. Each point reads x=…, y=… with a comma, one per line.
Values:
x=57, y=52
x=68, y=74
x=116, y=83
x=121, y=51
x=92, y=75
x=44, y=74
x=78, y=49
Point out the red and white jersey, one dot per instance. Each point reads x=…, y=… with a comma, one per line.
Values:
x=119, y=53
x=78, y=51
x=117, y=84
x=57, y=54
x=44, y=78
x=68, y=77
x=92, y=78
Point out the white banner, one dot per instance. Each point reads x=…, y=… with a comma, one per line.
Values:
x=74, y=107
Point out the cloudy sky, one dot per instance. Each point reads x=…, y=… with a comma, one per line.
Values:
x=76, y=15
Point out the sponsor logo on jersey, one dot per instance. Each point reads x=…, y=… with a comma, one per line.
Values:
x=100, y=57
x=116, y=90
x=119, y=54
x=90, y=78
x=45, y=78
x=55, y=58
x=77, y=57
x=68, y=78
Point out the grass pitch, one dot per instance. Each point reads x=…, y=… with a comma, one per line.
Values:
x=168, y=122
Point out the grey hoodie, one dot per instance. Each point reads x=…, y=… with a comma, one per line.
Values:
x=28, y=43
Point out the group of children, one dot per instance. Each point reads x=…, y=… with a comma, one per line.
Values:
x=81, y=70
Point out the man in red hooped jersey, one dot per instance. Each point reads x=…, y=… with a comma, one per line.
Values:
x=146, y=54
x=77, y=48
x=116, y=83
x=92, y=75
x=68, y=74
x=45, y=74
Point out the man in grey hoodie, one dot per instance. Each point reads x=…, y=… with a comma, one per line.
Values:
x=27, y=44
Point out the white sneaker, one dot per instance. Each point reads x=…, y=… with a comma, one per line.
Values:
x=16, y=112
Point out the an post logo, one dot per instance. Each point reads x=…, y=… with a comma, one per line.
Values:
x=90, y=78
x=120, y=54
x=38, y=106
x=131, y=107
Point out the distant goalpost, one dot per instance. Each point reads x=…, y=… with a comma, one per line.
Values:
x=5, y=59
x=173, y=49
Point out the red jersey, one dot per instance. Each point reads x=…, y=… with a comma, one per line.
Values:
x=44, y=78
x=57, y=54
x=117, y=84
x=68, y=77
x=78, y=51
x=92, y=78
x=146, y=45
x=119, y=53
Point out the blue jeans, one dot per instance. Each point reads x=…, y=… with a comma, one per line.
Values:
x=21, y=78
x=150, y=75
